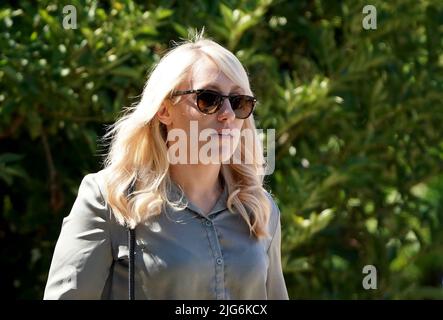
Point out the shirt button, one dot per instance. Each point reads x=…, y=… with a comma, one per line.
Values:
x=219, y=261
x=208, y=223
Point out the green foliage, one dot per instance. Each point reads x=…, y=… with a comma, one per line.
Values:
x=357, y=114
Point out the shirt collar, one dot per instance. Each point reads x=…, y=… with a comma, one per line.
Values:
x=175, y=194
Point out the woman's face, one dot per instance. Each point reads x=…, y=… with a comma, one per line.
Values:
x=185, y=117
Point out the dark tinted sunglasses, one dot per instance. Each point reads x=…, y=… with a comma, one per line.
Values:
x=209, y=102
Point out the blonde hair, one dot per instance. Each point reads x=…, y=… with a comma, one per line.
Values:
x=137, y=153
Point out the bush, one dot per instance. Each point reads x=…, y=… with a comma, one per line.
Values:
x=358, y=116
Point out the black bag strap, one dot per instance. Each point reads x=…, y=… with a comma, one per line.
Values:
x=131, y=245
x=131, y=241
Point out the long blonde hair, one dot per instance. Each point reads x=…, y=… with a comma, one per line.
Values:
x=137, y=153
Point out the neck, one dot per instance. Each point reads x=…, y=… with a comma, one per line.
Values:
x=197, y=180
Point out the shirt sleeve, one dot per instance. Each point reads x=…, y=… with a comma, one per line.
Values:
x=275, y=284
x=82, y=256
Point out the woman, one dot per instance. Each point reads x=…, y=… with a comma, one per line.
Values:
x=203, y=229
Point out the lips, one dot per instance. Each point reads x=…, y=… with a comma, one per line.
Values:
x=223, y=136
x=225, y=132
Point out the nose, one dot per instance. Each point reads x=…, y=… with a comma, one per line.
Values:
x=226, y=113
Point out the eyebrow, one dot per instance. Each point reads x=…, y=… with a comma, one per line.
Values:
x=215, y=86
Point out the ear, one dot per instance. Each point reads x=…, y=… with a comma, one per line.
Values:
x=163, y=114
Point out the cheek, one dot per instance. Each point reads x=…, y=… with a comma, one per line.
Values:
x=183, y=115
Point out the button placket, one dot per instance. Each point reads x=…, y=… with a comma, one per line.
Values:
x=217, y=254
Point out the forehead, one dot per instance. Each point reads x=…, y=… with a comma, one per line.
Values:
x=206, y=74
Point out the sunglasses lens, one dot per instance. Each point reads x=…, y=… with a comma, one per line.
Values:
x=208, y=102
x=242, y=106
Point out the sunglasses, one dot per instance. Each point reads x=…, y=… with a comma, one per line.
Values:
x=209, y=102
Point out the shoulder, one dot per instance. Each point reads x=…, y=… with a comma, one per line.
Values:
x=94, y=183
x=91, y=197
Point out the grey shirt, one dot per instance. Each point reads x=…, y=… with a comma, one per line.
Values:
x=179, y=254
